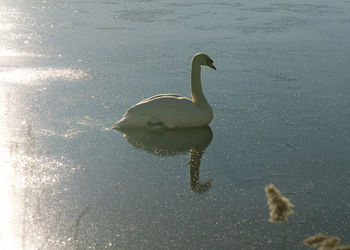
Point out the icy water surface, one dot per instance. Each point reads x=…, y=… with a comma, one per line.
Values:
x=70, y=69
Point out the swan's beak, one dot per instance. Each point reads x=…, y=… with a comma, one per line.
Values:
x=211, y=65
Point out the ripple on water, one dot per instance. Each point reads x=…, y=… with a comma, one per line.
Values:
x=144, y=16
x=308, y=9
x=273, y=25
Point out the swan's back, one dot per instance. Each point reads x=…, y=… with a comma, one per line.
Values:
x=160, y=96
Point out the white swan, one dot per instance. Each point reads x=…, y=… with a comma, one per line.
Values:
x=173, y=111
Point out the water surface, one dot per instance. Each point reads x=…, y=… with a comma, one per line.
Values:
x=70, y=69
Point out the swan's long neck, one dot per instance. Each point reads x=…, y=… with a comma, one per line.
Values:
x=196, y=85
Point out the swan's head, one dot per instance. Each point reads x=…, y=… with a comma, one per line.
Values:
x=203, y=59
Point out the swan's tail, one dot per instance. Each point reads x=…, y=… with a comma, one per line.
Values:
x=119, y=124
x=131, y=121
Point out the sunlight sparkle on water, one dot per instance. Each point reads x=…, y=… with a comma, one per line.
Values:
x=26, y=173
x=7, y=230
x=11, y=53
x=35, y=75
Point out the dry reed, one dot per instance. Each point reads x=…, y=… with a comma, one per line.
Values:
x=280, y=206
x=325, y=242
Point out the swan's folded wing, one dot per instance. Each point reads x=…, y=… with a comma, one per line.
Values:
x=172, y=111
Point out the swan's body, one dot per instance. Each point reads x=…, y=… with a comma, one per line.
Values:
x=173, y=111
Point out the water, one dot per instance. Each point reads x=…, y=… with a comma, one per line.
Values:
x=70, y=69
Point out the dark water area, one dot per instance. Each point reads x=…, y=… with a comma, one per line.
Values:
x=70, y=69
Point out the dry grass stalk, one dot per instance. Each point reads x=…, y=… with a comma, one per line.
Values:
x=342, y=248
x=330, y=243
x=325, y=242
x=280, y=206
x=316, y=240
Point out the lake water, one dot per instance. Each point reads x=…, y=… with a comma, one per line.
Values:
x=70, y=69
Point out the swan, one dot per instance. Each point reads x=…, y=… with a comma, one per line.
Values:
x=170, y=110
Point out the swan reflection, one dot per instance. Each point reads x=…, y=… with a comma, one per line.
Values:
x=172, y=142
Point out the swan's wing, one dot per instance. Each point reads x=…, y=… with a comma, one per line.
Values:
x=165, y=105
x=169, y=110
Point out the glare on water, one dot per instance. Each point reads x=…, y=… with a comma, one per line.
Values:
x=8, y=229
x=38, y=75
